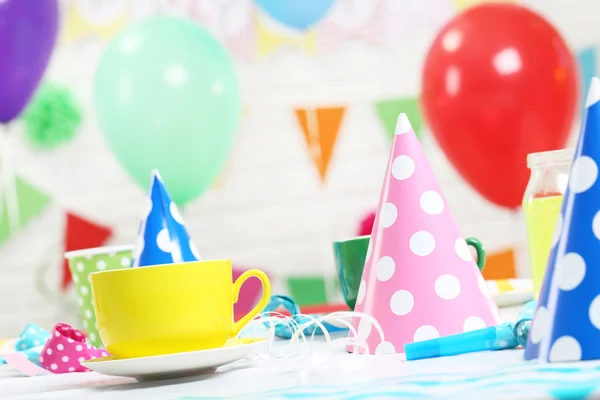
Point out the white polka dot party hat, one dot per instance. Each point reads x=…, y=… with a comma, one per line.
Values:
x=566, y=324
x=162, y=238
x=420, y=280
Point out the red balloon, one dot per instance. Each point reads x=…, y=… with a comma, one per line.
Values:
x=499, y=82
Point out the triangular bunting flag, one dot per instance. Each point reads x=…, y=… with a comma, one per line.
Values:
x=30, y=200
x=320, y=127
x=269, y=41
x=587, y=70
x=308, y=290
x=389, y=109
x=163, y=238
x=500, y=265
x=81, y=233
x=93, y=19
x=461, y=5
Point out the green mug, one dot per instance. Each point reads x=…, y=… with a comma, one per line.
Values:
x=350, y=260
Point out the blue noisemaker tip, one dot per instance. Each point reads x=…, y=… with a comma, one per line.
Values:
x=497, y=337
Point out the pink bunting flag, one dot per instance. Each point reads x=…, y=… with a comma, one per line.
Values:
x=231, y=22
x=405, y=18
x=352, y=19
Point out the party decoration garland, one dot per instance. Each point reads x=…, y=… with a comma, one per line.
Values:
x=52, y=117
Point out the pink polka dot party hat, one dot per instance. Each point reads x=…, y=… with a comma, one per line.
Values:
x=420, y=280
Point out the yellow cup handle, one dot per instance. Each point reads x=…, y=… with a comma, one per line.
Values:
x=264, y=300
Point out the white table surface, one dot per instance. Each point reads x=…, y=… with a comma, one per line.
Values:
x=340, y=375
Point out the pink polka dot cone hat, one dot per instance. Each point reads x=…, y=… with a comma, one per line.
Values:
x=566, y=323
x=420, y=280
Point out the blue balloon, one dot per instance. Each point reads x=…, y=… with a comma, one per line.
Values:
x=297, y=14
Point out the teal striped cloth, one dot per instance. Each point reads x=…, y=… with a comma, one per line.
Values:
x=526, y=381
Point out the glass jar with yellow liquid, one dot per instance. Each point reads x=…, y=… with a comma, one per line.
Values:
x=542, y=203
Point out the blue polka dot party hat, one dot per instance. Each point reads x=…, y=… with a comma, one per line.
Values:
x=163, y=238
x=566, y=324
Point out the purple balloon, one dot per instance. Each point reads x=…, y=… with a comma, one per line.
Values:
x=28, y=31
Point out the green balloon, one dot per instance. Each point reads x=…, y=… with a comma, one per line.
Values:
x=167, y=97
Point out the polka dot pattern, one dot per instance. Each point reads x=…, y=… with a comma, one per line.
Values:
x=566, y=324
x=447, y=287
x=66, y=349
x=584, y=173
x=539, y=325
x=389, y=213
x=462, y=249
x=565, y=348
x=32, y=336
x=570, y=271
x=557, y=230
x=364, y=329
x=594, y=312
x=163, y=241
x=101, y=265
x=81, y=270
x=195, y=251
x=403, y=167
x=163, y=238
x=418, y=269
x=175, y=213
x=402, y=302
x=385, y=348
x=422, y=243
x=426, y=332
x=385, y=268
x=473, y=323
x=431, y=202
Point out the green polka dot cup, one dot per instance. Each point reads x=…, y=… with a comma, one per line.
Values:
x=84, y=262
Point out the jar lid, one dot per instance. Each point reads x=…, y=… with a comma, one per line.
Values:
x=542, y=158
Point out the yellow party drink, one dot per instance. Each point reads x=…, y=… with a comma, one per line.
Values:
x=541, y=215
x=542, y=202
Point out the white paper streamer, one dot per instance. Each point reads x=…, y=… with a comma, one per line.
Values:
x=299, y=347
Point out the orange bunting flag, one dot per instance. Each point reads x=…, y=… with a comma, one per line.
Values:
x=320, y=127
x=500, y=265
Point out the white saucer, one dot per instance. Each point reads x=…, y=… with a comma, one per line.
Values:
x=511, y=292
x=512, y=298
x=176, y=365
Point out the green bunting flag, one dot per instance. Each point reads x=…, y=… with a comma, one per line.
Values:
x=308, y=290
x=389, y=109
x=31, y=202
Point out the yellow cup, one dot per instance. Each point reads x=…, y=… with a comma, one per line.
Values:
x=172, y=308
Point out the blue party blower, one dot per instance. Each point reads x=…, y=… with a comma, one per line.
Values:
x=163, y=238
x=499, y=337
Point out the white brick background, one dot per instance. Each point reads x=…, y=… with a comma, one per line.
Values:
x=270, y=210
